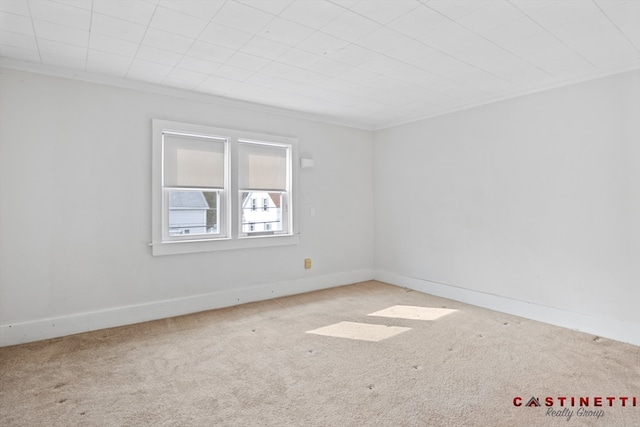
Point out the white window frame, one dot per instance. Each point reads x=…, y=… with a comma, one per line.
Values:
x=222, y=209
x=229, y=206
x=286, y=193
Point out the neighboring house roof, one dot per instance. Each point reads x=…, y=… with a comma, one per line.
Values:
x=187, y=200
x=275, y=197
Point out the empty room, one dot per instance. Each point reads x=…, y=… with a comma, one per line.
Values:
x=319, y=213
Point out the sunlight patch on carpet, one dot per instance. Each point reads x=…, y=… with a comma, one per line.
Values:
x=413, y=312
x=359, y=331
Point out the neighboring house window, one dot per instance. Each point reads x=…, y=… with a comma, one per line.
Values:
x=207, y=183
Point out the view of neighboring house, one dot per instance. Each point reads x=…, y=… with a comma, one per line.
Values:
x=193, y=212
x=261, y=212
x=188, y=213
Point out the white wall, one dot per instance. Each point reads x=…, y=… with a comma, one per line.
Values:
x=530, y=206
x=75, y=219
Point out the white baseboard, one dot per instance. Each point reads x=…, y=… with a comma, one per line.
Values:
x=627, y=332
x=41, y=329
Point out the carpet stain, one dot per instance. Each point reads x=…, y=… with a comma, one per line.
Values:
x=597, y=339
x=62, y=400
x=59, y=385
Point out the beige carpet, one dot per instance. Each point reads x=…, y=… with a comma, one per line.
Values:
x=280, y=363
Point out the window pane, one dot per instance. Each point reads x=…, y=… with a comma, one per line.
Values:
x=260, y=220
x=193, y=212
x=193, y=161
x=262, y=167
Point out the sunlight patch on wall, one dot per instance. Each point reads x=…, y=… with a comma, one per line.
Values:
x=413, y=312
x=359, y=331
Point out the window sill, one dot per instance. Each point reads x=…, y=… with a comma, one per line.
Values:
x=188, y=247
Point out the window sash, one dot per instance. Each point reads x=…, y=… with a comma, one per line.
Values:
x=190, y=215
x=278, y=217
x=194, y=163
x=263, y=166
x=192, y=160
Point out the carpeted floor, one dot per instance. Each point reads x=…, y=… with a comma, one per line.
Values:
x=316, y=360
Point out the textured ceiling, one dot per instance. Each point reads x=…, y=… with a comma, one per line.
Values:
x=369, y=63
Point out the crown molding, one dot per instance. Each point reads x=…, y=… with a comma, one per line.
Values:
x=601, y=73
x=263, y=108
x=180, y=93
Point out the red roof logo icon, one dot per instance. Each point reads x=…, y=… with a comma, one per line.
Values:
x=533, y=402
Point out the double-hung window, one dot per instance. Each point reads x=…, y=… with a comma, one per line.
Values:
x=264, y=171
x=217, y=189
x=194, y=186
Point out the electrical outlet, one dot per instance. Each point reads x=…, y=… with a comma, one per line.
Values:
x=307, y=263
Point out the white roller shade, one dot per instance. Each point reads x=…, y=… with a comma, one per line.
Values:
x=193, y=161
x=262, y=167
